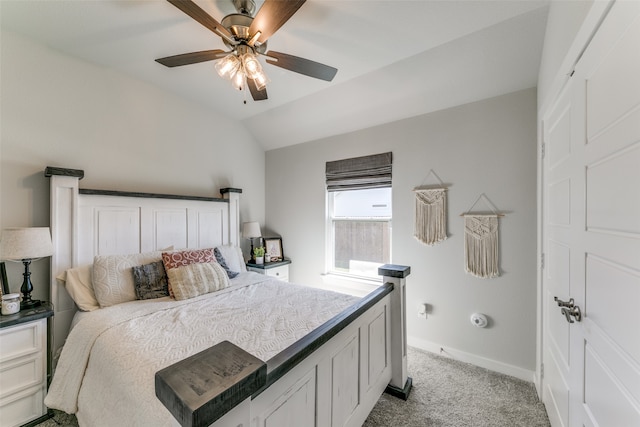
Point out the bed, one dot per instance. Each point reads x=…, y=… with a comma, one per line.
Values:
x=243, y=349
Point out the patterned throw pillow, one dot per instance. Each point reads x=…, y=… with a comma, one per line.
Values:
x=150, y=281
x=177, y=259
x=195, y=279
x=223, y=264
x=112, y=277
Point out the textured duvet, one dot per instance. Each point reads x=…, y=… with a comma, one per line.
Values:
x=105, y=374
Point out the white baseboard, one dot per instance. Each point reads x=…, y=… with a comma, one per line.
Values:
x=483, y=362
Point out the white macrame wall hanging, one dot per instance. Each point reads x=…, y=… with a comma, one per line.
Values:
x=430, y=215
x=430, y=212
x=481, y=251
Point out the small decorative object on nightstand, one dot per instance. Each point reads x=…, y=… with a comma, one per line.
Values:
x=259, y=255
x=276, y=269
x=24, y=365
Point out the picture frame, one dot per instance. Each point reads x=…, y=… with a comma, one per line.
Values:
x=273, y=247
x=4, y=283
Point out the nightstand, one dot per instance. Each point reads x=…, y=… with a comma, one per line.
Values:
x=276, y=269
x=24, y=366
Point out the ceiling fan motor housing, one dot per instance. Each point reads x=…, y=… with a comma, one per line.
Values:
x=246, y=7
x=238, y=24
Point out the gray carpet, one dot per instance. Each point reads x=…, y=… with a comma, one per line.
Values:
x=446, y=393
x=449, y=393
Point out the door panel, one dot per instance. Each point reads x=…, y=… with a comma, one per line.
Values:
x=608, y=208
x=606, y=400
x=559, y=256
x=612, y=90
x=557, y=244
x=608, y=79
x=591, y=232
x=615, y=316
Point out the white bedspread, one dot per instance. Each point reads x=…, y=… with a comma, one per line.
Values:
x=105, y=374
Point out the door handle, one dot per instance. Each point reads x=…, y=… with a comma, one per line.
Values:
x=569, y=309
x=572, y=312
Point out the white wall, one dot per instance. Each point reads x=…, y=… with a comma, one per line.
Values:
x=125, y=134
x=484, y=147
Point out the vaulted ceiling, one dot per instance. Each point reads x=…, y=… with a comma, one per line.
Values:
x=396, y=58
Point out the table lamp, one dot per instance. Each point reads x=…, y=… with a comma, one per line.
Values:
x=26, y=244
x=251, y=230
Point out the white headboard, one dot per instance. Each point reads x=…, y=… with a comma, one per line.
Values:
x=86, y=223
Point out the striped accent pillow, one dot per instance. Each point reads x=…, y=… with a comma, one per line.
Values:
x=192, y=280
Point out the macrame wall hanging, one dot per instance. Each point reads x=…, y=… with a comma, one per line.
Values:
x=481, y=252
x=430, y=212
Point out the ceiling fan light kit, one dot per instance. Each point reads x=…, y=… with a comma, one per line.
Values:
x=246, y=37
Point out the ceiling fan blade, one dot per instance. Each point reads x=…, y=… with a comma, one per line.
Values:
x=301, y=65
x=195, y=12
x=191, y=58
x=271, y=16
x=258, y=95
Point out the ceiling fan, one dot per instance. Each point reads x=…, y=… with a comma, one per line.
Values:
x=246, y=37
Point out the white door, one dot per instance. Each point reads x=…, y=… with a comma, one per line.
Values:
x=591, y=226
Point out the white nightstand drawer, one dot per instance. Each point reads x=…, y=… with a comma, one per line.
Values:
x=21, y=340
x=281, y=272
x=21, y=374
x=22, y=407
x=277, y=269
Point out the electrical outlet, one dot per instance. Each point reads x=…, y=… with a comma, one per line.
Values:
x=422, y=310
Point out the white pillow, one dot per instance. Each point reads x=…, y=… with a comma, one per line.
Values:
x=78, y=284
x=233, y=257
x=113, y=278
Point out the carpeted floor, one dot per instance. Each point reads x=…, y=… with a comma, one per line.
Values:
x=449, y=393
x=446, y=393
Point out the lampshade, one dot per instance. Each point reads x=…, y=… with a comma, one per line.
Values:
x=17, y=244
x=251, y=230
x=251, y=65
x=228, y=66
x=242, y=65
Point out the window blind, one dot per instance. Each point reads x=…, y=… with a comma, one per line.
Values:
x=359, y=173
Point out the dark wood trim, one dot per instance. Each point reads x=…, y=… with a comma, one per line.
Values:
x=393, y=270
x=27, y=315
x=268, y=265
x=202, y=388
x=288, y=358
x=226, y=190
x=400, y=393
x=39, y=420
x=52, y=170
x=87, y=191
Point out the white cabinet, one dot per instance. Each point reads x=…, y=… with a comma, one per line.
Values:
x=278, y=269
x=23, y=366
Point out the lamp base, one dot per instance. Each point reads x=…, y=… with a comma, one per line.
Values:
x=26, y=305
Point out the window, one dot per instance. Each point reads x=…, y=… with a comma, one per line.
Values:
x=359, y=215
x=359, y=231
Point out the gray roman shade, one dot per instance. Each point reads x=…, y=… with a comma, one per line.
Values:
x=359, y=173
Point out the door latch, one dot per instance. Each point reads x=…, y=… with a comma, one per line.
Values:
x=568, y=304
x=569, y=309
